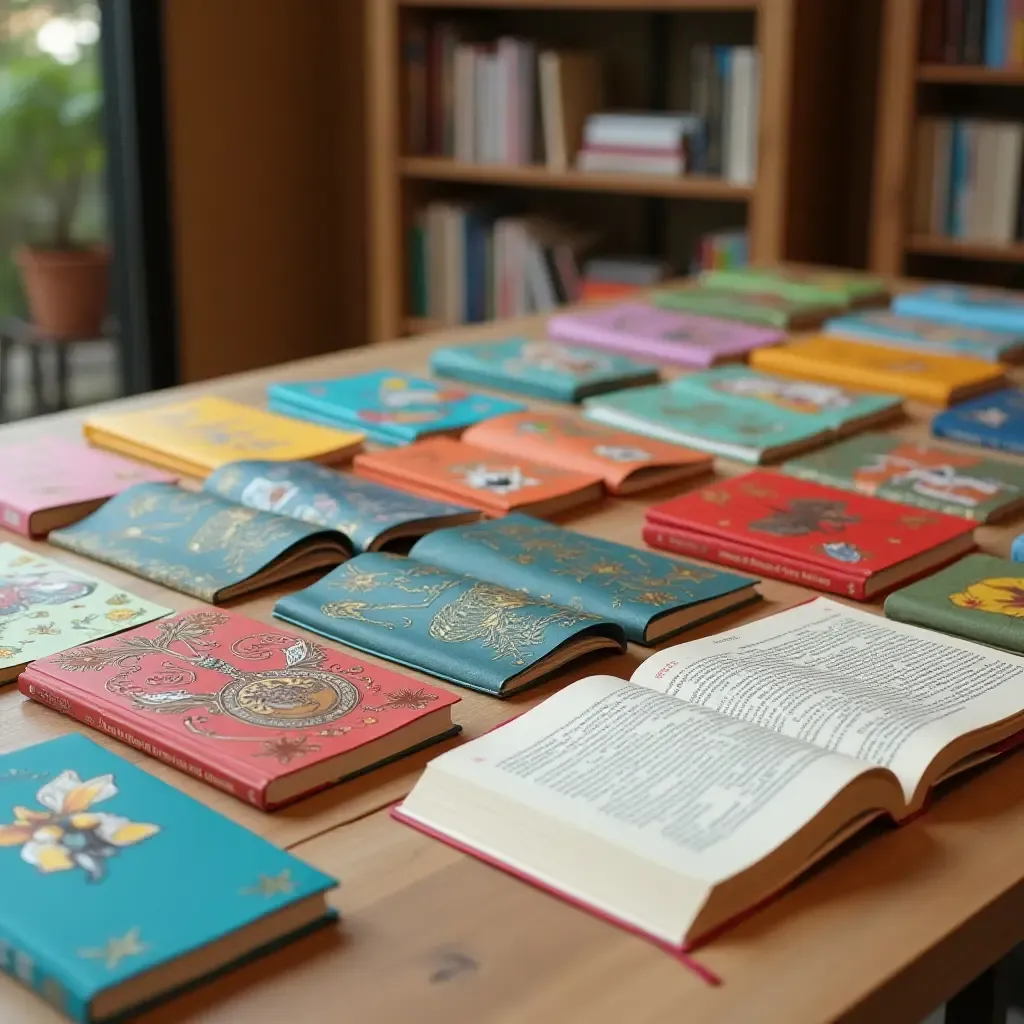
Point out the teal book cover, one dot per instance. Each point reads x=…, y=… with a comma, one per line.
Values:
x=476, y=634
x=388, y=406
x=199, y=543
x=649, y=595
x=541, y=369
x=371, y=515
x=109, y=876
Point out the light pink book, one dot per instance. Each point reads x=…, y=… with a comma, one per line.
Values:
x=49, y=482
x=640, y=329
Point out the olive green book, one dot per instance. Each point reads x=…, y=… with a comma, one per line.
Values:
x=826, y=287
x=979, y=598
x=765, y=308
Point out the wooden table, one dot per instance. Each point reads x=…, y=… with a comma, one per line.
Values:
x=887, y=930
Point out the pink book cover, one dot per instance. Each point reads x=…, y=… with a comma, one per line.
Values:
x=49, y=482
x=665, y=335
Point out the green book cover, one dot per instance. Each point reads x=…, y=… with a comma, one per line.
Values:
x=815, y=286
x=980, y=598
x=928, y=476
x=752, y=307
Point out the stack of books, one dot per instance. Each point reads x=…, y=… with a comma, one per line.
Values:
x=989, y=32
x=613, y=277
x=642, y=143
x=722, y=250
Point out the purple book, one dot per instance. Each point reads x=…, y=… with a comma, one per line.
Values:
x=661, y=334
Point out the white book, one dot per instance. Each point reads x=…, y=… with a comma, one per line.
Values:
x=642, y=131
x=1007, y=182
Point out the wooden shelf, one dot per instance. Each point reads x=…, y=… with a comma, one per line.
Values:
x=690, y=186
x=969, y=74
x=595, y=5
x=420, y=325
x=939, y=245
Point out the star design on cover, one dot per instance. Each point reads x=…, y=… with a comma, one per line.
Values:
x=114, y=950
x=990, y=417
x=272, y=885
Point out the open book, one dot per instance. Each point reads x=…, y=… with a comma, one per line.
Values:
x=676, y=801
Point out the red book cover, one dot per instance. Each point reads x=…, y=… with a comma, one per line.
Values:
x=256, y=711
x=807, y=533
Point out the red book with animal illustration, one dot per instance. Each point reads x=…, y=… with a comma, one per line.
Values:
x=252, y=709
x=806, y=533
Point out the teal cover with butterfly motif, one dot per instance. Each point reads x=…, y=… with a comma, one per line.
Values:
x=473, y=633
x=107, y=873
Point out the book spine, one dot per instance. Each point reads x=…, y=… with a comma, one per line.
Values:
x=954, y=31
x=35, y=971
x=995, y=33
x=111, y=722
x=417, y=92
x=974, y=31
x=933, y=18
x=789, y=570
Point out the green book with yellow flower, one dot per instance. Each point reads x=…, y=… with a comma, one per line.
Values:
x=979, y=598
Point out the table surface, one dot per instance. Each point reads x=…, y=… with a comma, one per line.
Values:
x=887, y=929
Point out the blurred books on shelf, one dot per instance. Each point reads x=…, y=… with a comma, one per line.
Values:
x=973, y=32
x=642, y=143
x=721, y=250
x=614, y=277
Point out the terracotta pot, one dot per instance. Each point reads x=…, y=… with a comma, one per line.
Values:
x=67, y=290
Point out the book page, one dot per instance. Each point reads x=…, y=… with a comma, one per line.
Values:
x=843, y=679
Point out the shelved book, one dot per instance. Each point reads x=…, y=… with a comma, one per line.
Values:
x=46, y=607
x=805, y=533
x=266, y=716
x=96, y=865
x=992, y=309
x=371, y=517
x=995, y=421
x=388, y=406
x=765, y=309
x=937, y=380
x=930, y=476
x=973, y=32
x=646, y=331
x=626, y=462
x=917, y=334
x=541, y=369
x=642, y=142
x=193, y=438
x=772, y=744
x=198, y=543
x=827, y=287
x=444, y=469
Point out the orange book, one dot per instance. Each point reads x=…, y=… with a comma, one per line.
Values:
x=626, y=462
x=441, y=467
x=938, y=380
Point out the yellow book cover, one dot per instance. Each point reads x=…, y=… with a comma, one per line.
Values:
x=195, y=438
x=938, y=380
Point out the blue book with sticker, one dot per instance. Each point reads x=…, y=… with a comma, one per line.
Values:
x=118, y=889
x=541, y=369
x=389, y=406
x=988, y=308
x=995, y=420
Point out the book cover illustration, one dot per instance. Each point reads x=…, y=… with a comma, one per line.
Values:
x=989, y=308
x=247, y=702
x=542, y=369
x=370, y=515
x=95, y=855
x=662, y=334
x=927, y=476
x=389, y=406
x=46, y=607
x=820, y=286
x=756, y=307
x=467, y=631
x=197, y=436
x=196, y=543
x=995, y=420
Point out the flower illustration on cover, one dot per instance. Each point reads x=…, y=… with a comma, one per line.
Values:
x=503, y=480
x=68, y=834
x=1001, y=595
x=621, y=453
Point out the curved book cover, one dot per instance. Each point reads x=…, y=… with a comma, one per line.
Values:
x=992, y=421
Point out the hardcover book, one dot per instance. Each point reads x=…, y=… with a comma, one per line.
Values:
x=371, y=516
x=989, y=308
x=258, y=712
x=390, y=407
x=195, y=437
x=754, y=307
x=450, y=470
x=541, y=369
x=917, y=334
x=991, y=421
x=826, y=287
x=99, y=861
x=771, y=744
x=661, y=334
x=50, y=482
x=627, y=462
x=930, y=476
x=805, y=533
x=938, y=380
x=200, y=544
x=980, y=598
x=45, y=607
x=475, y=634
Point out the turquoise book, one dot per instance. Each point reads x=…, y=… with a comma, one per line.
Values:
x=371, y=516
x=118, y=889
x=470, y=632
x=386, y=405
x=541, y=369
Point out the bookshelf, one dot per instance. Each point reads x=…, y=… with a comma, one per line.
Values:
x=790, y=211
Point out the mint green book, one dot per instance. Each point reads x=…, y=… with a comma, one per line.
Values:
x=816, y=286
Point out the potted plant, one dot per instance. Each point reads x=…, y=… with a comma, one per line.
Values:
x=50, y=148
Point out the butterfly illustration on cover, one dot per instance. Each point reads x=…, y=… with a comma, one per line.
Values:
x=804, y=516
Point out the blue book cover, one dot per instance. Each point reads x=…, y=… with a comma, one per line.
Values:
x=995, y=33
x=649, y=595
x=389, y=406
x=987, y=308
x=110, y=877
x=995, y=420
x=542, y=369
x=476, y=634
x=959, y=168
